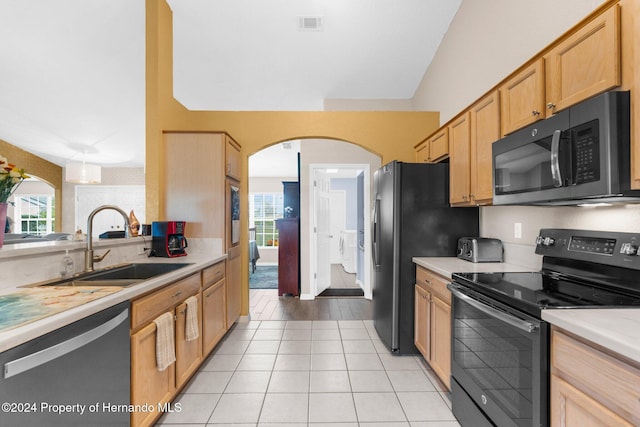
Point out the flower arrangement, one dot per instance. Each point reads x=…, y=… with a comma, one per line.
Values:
x=10, y=178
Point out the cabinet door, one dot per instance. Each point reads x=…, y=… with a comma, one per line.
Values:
x=422, y=321
x=586, y=63
x=439, y=145
x=459, y=140
x=233, y=285
x=572, y=408
x=233, y=159
x=422, y=152
x=522, y=98
x=485, y=130
x=214, y=316
x=148, y=385
x=195, y=197
x=188, y=353
x=441, y=339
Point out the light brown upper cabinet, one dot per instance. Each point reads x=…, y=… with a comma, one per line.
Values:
x=459, y=160
x=233, y=160
x=485, y=130
x=585, y=63
x=522, y=98
x=435, y=148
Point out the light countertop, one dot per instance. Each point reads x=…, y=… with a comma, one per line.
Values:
x=10, y=338
x=446, y=266
x=616, y=329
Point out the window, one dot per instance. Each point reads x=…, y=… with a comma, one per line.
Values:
x=34, y=214
x=264, y=209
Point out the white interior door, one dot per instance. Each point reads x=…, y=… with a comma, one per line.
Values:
x=338, y=223
x=322, y=228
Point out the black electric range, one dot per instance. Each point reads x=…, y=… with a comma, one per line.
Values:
x=581, y=269
x=500, y=357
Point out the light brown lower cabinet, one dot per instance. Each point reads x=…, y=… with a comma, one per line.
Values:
x=214, y=321
x=188, y=353
x=150, y=388
x=591, y=386
x=432, y=319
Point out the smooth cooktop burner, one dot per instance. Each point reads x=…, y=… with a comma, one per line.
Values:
x=537, y=291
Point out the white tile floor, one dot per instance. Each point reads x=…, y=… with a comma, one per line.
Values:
x=311, y=374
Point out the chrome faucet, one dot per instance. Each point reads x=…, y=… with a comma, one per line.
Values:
x=89, y=258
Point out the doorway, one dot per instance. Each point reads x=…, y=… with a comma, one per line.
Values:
x=339, y=252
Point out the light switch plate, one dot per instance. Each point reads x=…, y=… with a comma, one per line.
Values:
x=517, y=230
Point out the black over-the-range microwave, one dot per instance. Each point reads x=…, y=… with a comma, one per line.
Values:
x=579, y=155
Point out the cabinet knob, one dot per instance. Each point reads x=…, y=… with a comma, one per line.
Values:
x=551, y=106
x=177, y=294
x=535, y=112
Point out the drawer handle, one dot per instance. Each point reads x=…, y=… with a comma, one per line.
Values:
x=177, y=294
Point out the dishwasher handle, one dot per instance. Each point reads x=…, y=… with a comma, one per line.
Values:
x=46, y=355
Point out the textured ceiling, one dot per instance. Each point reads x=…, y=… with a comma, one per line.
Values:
x=72, y=74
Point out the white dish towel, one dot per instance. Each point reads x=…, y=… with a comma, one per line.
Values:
x=165, y=341
x=191, y=325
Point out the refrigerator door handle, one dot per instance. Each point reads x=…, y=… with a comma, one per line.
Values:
x=374, y=240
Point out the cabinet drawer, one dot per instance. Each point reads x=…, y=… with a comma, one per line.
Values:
x=213, y=274
x=433, y=283
x=149, y=307
x=607, y=379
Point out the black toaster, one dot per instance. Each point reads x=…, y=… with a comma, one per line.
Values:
x=480, y=249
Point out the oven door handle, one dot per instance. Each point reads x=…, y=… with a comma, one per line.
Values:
x=523, y=325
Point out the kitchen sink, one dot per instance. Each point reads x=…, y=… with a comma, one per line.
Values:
x=136, y=271
x=119, y=275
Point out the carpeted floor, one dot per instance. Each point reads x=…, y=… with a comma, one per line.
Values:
x=265, y=277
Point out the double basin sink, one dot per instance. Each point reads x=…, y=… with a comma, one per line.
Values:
x=119, y=275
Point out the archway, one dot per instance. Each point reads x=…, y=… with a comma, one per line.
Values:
x=315, y=152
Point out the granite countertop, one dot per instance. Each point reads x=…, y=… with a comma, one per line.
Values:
x=13, y=337
x=617, y=329
x=446, y=266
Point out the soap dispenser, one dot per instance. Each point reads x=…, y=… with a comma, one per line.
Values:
x=66, y=266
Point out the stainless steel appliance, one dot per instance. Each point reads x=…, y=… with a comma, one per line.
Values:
x=234, y=213
x=480, y=249
x=411, y=218
x=500, y=356
x=578, y=155
x=84, y=366
x=167, y=239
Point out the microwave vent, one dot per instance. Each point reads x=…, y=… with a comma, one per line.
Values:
x=310, y=23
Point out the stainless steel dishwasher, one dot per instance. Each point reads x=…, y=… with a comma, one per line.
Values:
x=78, y=375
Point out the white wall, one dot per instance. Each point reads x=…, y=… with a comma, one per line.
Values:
x=486, y=41
x=110, y=176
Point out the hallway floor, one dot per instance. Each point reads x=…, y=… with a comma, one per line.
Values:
x=321, y=373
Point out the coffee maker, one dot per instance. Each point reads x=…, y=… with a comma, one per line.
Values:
x=167, y=239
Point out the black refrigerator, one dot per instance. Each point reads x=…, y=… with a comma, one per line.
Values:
x=411, y=218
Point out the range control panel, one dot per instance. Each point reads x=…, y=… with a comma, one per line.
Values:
x=603, y=247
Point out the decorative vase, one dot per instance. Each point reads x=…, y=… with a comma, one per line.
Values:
x=134, y=224
x=3, y=221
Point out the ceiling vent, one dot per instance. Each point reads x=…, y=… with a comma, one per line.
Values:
x=310, y=23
